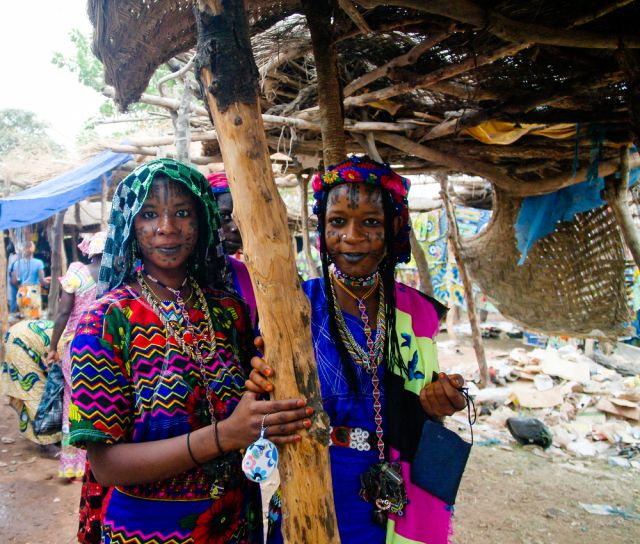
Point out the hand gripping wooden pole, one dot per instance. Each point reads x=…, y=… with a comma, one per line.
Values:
x=227, y=74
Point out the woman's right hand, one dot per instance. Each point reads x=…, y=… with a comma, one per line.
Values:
x=52, y=356
x=281, y=418
x=260, y=376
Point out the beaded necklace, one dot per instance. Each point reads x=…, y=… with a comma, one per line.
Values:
x=369, y=361
x=224, y=470
x=350, y=281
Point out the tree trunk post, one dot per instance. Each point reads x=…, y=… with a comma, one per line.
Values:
x=303, y=186
x=103, y=203
x=426, y=286
x=77, y=227
x=56, y=263
x=4, y=307
x=456, y=248
x=319, y=14
x=227, y=74
x=617, y=196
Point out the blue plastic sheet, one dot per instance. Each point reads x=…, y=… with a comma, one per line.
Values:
x=56, y=194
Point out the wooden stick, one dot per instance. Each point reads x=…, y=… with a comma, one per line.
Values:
x=56, y=263
x=456, y=249
x=426, y=80
x=515, y=31
x=227, y=75
x=617, y=196
x=403, y=60
x=4, y=307
x=303, y=185
x=103, y=203
x=353, y=13
x=426, y=285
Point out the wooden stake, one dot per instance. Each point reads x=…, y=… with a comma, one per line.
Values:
x=426, y=286
x=617, y=196
x=456, y=248
x=103, y=203
x=303, y=185
x=319, y=16
x=56, y=263
x=4, y=306
x=226, y=71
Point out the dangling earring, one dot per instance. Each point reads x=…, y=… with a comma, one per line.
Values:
x=135, y=258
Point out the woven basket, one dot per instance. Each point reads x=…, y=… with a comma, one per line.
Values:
x=572, y=282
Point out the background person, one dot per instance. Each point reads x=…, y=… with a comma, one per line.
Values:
x=78, y=292
x=28, y=277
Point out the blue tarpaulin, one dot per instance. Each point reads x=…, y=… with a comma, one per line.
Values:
x=56, y=194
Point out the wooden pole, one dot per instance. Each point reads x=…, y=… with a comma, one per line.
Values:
x=319, y=14
x=456, y=248
x=303, y=185
x=617, y=196
x=75, y=238
x=56, y=263
x=426, y=286
x=103, y=203
x=227, y=74
x=4, y=306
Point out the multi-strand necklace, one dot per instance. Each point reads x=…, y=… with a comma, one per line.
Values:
x=382, y=483
x=371, y=359
x=224, y=469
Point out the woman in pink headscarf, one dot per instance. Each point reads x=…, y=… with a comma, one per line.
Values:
x=78, y=291
x=231, y=239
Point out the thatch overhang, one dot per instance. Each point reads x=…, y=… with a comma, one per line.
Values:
x=417, y=74
x=528, y=95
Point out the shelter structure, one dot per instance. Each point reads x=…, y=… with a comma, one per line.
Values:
x=533, y=97
x=530, y=97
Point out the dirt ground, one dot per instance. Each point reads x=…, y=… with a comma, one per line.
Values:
x=516, y=496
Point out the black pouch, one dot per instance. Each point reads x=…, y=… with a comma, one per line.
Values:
x=440, y=459
x=48, y=418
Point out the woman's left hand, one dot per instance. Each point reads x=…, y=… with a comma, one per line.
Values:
x=259, y=381
x=444, y=396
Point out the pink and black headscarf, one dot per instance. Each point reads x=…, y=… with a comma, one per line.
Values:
x=365, y=170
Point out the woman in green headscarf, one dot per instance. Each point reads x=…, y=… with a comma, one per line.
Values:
x=159, y=369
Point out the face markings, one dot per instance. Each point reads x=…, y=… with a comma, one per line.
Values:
x=355, y=228
x=166, y=228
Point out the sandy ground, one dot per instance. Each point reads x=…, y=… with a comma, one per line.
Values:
x=506, y=496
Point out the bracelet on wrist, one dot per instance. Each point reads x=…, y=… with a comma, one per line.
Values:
x=195, y=461
x=217, y=437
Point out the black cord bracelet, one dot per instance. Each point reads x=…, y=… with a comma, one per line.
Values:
x=215, y=434
x=189, y=449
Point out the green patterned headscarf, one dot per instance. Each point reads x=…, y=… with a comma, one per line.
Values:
x=118, y=259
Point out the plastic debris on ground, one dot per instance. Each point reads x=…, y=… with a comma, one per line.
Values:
x=590, y=411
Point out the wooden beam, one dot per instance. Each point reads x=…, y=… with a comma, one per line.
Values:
x=57, y=248
x=226, y=72
x=353, y=13
x=4, y=306
x=525, y=104
x=408, y=58
x=457, y=163
x=617, y=196
x=320, y=22
x=516, y=31
x=426, y=80
x=426, y=285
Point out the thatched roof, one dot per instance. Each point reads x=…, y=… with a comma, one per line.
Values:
x=423, y=72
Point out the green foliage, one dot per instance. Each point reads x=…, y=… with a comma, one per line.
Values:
x=84, y=64
x=22, y=129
